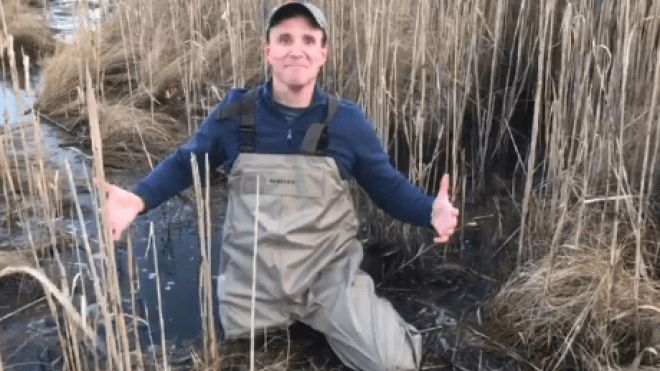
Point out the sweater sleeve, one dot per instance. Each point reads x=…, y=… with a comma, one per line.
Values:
x=174, y=174
x=387, y=187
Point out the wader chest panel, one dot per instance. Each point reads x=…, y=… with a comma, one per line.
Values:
x=307, y=256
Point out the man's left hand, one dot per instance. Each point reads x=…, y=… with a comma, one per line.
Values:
x=444, y=217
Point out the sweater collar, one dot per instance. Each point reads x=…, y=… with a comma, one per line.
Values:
x=318, y=99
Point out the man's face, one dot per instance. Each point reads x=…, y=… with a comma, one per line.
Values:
x=296, y=52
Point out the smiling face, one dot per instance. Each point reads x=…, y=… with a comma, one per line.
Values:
x=296, y=51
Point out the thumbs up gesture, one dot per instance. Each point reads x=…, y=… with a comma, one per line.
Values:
x=444, y=215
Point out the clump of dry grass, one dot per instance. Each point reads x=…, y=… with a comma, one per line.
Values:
x=30, y=31
x=60, y=96
x=128, y=133
x=580, y=309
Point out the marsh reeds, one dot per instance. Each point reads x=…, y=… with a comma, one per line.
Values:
x=33, y=199
x=590, y=237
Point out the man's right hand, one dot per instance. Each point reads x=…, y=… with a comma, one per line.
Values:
x=121, y=209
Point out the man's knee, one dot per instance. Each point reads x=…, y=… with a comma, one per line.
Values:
x=381, y=354
x=408, y=358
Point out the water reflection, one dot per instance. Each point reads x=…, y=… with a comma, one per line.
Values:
x=64, y=16
x=10, y=106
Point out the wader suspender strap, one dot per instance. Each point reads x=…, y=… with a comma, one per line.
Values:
x=316, y=134
x=246, y=108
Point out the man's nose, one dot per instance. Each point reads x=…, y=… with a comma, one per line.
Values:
x=297, y=49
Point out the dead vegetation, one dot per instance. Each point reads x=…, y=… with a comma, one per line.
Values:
x=31, y=36
x=581, y=310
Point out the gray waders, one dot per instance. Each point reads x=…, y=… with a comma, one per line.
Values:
x=308, y=258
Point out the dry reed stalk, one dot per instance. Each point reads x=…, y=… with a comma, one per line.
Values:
x=485, y=133
x=22, y=130
x=73, y=358
x=154, y=251
x=118, y=338
x=543, y=31
x=205, y=279
x=103, y=234
x=46, y=187
x=37, y=186
x=254, y=274
x=131, y=277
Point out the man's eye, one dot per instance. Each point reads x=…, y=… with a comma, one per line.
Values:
x=309, y=40
x=285, y=39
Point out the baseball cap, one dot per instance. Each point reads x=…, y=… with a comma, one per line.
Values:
x=296, y=7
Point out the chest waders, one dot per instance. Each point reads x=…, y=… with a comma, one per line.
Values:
x=308, y=254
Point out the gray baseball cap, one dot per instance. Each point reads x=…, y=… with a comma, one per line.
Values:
x=294, y=8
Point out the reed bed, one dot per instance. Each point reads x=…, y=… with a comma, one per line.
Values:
x=586, y=170
x=589, y=220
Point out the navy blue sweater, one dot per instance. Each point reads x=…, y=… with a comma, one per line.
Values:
x=352, y=142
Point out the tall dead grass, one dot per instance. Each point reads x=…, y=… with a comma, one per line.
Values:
x=589, y=233
x=33, y=202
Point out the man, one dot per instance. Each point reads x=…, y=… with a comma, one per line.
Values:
x=269, y=141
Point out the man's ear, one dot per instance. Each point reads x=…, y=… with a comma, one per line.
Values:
x=266, y=49
x=325, y=51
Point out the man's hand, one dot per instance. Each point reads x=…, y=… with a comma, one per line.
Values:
x=121, y=208
x=444, y=215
